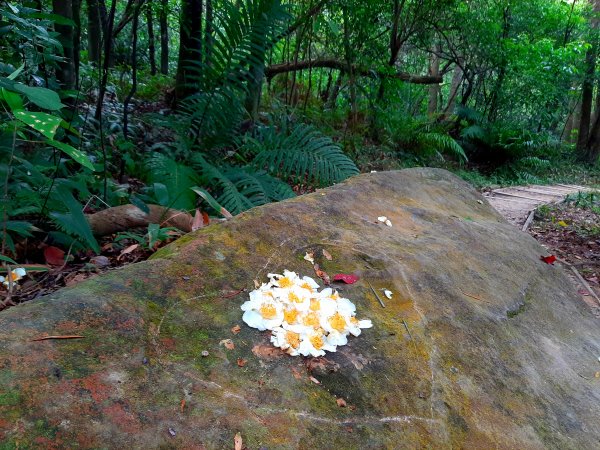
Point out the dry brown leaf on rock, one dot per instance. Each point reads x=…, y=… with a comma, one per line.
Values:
x=228, y=344
x=327, y=255
x=322, y=275
x=237, y=442
x=127, y=250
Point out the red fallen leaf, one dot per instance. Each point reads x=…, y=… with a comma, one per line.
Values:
x=241, y=362
x=548, y=259
x=205, y=218
x=54, y=256
x=346, y=278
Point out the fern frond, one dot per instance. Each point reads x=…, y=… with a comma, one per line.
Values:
x=304, y=152
x=73, y=221
x=443, y=144
x=178, y=179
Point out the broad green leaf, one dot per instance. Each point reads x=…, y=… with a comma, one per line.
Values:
x=136, y=201
x=16, y=73
x=44, y=98
x=212, y=202
x=74, y=153
x=7, y=259
x=12, y=99
x=39, y=121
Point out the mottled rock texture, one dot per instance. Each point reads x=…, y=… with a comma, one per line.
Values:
x=482, y=345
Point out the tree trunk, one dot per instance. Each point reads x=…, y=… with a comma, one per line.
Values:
x=164, y=37
x=208, y=31
x=592, y=150
x=434, y=89
x=65, y=71
x=190, y=45
x=457, y=78
x=151, y=48
x=94, y=31
x=587, y=97
x=588, y=140
x=76, y=39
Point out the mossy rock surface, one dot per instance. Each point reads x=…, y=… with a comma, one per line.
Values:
x=482, y=345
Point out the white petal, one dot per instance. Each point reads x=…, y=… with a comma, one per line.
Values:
x=337, y=338
x=20, y=272
x=388, y=293
x=309, y=258
x=382, y=218
x=388, y=223
x=345, y=307
x=313, y=284
x=365, y=323
x=254, y=320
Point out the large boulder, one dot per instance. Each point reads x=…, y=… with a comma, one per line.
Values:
x=481, y=346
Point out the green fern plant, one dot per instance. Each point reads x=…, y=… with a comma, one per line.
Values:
x=301, y=153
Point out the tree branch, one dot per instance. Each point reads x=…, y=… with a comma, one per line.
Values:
x=342, y=66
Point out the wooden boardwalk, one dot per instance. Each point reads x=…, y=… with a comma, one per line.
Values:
x=517, y=203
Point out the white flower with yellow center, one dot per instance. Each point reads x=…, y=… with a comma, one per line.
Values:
x=315, y=344
x=286, y=340
x=302, y=320
x=262, y=312
x=13, y=276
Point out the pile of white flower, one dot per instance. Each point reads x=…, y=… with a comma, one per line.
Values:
x=12, y=277
x=302, y=320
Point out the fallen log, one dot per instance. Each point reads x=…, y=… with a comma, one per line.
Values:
x=125, y=217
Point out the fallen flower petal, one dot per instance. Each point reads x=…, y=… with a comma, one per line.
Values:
x=388, y=293
x=346, y=278
x=309, y=257
x=388, y=223
x=548, y=259
x=382, y=218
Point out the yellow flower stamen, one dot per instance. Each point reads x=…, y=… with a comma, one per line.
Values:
x=285, y=282
x=317, y=341
x=305, y=285
x=268, y=311
x=315, y=304
x=290, y=315
x=294, y=298
x=335, y=296
x=338, y=322
x=293, y=339
x=353, y=320
x=311, y=320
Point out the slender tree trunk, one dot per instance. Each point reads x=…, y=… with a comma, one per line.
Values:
x=134, y=39
x=588, y=139
x=190, y=45
x=76, y=39
x=208, y=31
x=164, y=37
x=65, y=71
x=496, y=95
x=337, y=87
x=457, y=78
x=94, y=31
x=587, y=96
x=151, y=48
x=592, y=150
x=434, y=89
x=106, y=61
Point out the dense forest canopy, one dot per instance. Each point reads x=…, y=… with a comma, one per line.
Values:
x=216, y=106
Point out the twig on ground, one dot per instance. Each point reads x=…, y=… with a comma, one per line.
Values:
x=47, y=338
x=376, y=295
